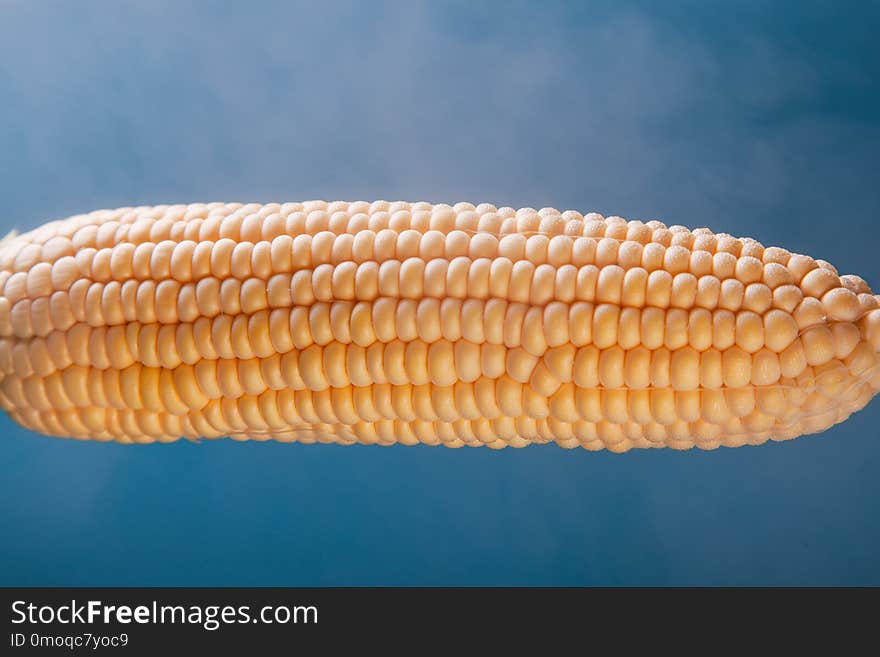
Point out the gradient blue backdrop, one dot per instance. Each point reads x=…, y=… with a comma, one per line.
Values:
x=757, y=118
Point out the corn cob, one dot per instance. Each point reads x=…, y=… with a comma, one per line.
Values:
x=417, y=323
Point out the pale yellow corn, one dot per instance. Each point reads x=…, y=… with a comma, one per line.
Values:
x=417, y=323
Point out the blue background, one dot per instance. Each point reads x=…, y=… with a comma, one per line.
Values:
x=755, y=118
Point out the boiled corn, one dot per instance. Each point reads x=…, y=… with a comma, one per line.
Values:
x=418, y=323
